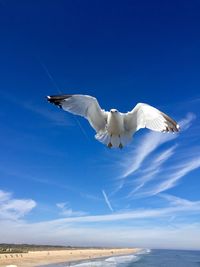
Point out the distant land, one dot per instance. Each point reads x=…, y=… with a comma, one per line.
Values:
x=25, y=248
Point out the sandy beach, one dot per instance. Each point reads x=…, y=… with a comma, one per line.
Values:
x=37, y=258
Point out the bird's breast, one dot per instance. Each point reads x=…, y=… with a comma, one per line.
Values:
x=115, y=124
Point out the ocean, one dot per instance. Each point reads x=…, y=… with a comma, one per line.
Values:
x=146, y=257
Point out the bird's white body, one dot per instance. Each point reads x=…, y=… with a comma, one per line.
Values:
x=115, y=123
x=113, y=128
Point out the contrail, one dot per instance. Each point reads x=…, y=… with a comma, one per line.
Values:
x=81, y=127
x=107, y=200
x=58, y=89
x=49, y=75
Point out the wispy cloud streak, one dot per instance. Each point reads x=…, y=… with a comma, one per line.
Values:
x=154, y=169
x=177, y=201
x=150, y=172
x=181, y=208
x=66, y=211
x=148, y=144
x=173, y=179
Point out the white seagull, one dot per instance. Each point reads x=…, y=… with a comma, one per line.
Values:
x=113, y=128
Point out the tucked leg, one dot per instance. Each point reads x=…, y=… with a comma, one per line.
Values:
x=120, y=144
x=109, y=145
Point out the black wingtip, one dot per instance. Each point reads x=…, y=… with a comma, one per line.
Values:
x=57, y=99
x=48, y=98
x=53, y=100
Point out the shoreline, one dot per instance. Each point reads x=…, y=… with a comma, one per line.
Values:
x=45, y=257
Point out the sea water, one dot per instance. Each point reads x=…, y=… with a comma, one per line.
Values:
x=144, y=258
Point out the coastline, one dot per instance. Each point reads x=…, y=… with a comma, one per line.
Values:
x=38, y=258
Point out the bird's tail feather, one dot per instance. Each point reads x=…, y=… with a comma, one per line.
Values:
x=113, y=141
x=126, y=138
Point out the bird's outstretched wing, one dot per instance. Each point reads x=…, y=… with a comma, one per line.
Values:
x=83, y=105
x=144, y=115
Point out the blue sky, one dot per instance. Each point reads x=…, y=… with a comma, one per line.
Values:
x=58, y=184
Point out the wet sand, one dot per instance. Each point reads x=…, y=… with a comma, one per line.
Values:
x=37, y=258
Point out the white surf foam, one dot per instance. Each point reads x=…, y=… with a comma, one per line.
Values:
x=123, y=259
x=144, y=251
x=95, y=264
x=109, y=262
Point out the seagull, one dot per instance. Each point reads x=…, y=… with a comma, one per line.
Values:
x=113, y=128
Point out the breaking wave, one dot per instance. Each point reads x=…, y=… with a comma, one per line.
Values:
x=115, y=261
x=143, y=251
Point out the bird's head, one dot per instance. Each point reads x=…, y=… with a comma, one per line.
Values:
x=114, y=111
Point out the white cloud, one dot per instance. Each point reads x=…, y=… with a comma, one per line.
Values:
x=13, y=209
x=65, y=210
x=91, y=230
x=61, y=205
x=183, y=236
x=4, y=196
x=107, y=200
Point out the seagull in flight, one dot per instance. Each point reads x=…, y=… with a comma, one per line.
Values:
x=113, y=128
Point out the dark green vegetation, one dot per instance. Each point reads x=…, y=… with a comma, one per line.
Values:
x=24, y=248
